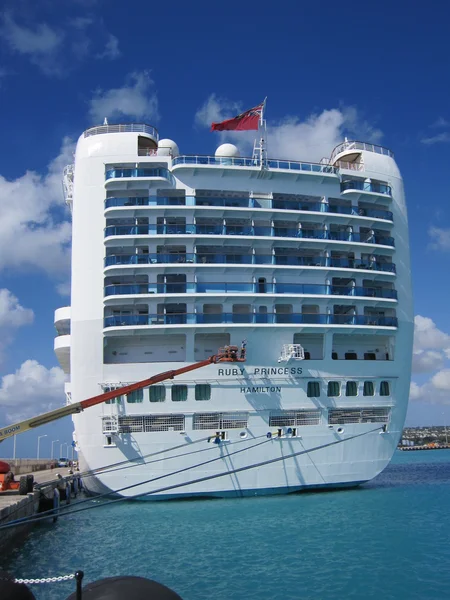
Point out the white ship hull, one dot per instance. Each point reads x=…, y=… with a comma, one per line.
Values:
x=174, y=256
x=319, y=461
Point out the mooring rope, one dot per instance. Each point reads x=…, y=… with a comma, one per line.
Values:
x=192, y=481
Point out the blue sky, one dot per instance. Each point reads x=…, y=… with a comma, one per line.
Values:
x=375, y=72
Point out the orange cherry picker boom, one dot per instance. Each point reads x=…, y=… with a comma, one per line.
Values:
x=226, y=354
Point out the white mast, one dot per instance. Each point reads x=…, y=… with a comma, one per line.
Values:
x=260, y=146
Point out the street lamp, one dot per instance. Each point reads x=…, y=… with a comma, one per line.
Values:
x=39, y=441
x=61, y=447
x=54, y=442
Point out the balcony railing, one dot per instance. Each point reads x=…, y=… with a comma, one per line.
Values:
x=145, y=201
x=251, y=162
x=120, y=172
x=124, y=128
x=248, y=259
x=247, y=288
x=344, y=146
x=284, y=232
x=275, y=204
x=248, y=318
x=366, y=186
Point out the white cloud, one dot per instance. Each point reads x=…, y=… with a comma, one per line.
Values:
x=40, y=43
x=135, y=99
x=292, y=138
x=34, y=229
x=434, y=391
x=32, y=389
x=215, y=110
x=440, y=238
x=13, y=314
x=439, y=138
x=59, y=51
x=414, y=391
x=441, y=380
x=431, y=351
x=428, y=336
x=81, y=22
x=111, y=50
x=440, y=122
x=427, y=361
x=64, y=288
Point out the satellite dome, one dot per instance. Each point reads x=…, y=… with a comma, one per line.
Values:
x=227, y=151
x=167, y=148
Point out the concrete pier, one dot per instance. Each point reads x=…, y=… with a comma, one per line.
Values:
x=23, y=466
x=13, y=506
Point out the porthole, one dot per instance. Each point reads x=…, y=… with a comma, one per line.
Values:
x=340, y=430
x=243, y=435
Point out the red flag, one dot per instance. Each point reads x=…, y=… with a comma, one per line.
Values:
x=244, y=122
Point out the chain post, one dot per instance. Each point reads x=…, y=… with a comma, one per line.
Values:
x=79, y=578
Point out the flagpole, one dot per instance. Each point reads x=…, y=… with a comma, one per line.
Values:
x=260, y=146
x=263, y=142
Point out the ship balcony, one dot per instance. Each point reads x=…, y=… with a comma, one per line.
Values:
x=246, y=319
x=62, y=351
x=128, y=178
x=148, y=130
x=196, y=163
x=62, y=320
x=352, y=149
x=281, y=260
x=136, y=202
x=366, y=189
x=238, y=288
x=233, y=230
x=131, y=204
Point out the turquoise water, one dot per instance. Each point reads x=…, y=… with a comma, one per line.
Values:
x=389, y=539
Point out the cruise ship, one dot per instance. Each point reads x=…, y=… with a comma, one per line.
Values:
x=174, y=256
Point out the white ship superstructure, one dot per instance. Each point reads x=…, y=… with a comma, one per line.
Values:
x=174, y=256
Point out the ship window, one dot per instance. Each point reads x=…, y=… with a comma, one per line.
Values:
x=384, y=388
x=157, y=393
x=334, y=388
x=369, y=389
x=313, y=390
x=117, y=400
x=203, y=391
x=334, y=356
x=351, y=388
x=135, y=397
x=179, y=393
x=351, y=356
x=370, y=356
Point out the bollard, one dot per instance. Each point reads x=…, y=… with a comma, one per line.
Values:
x=56, y=502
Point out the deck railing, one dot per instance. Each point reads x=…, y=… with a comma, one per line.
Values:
x=274, y=204
x=241, y=230
x=248, y=259
x=366, y=186
x=289, y=165
x=248, y=318
x=353, y=145
x=119, y=173
x=248, y=288
x=123, y=128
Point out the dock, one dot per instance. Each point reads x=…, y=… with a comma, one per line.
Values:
x=50, y=487
x=424, y=447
